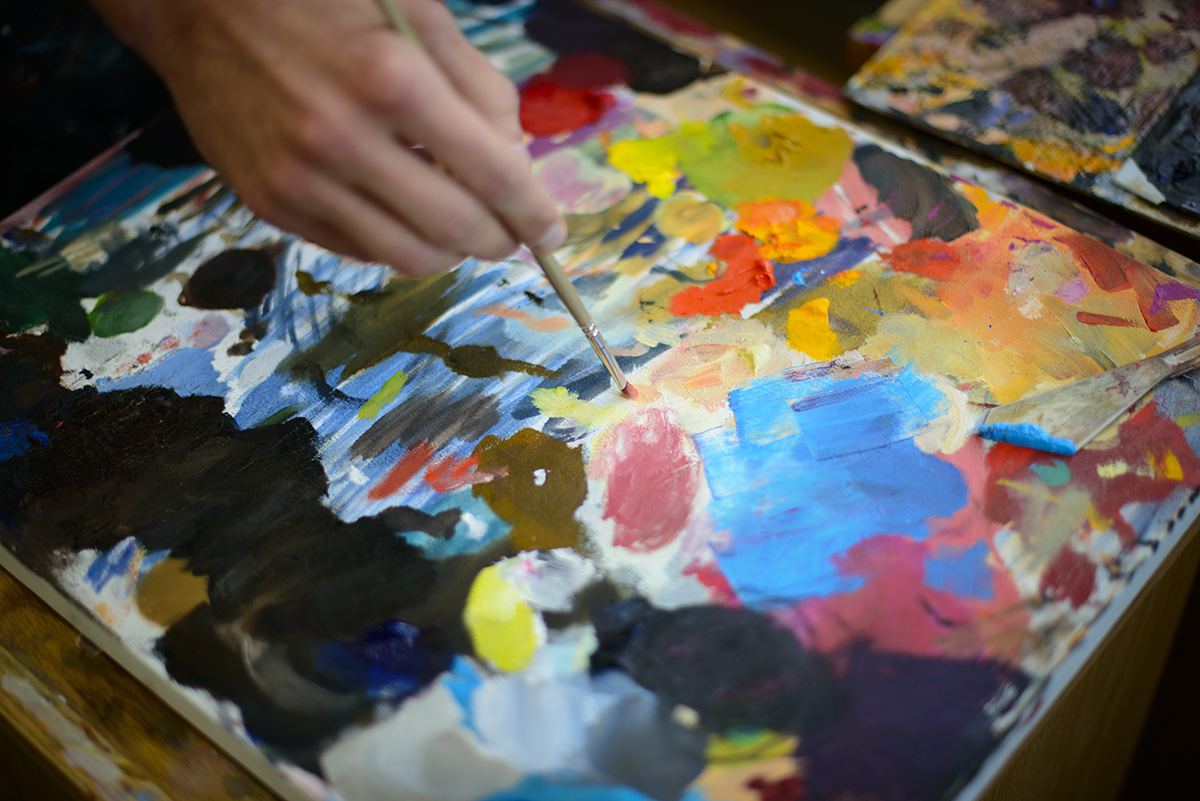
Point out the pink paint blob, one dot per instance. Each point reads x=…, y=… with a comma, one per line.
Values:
x=654, y=474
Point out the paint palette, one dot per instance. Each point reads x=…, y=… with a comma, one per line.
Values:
x=1081, y=93
x=385, y=538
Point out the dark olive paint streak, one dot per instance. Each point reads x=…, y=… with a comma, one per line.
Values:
x=433, y=419
x=916, y=193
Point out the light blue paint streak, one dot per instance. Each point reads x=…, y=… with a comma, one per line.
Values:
x=1027, y=435
x=464, y=540
x=965, y=574
x=540, y=788
x=188, y=371
x=788, y=514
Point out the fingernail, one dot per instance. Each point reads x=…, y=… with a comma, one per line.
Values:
x=553, y=238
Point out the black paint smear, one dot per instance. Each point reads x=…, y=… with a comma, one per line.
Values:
x=566, y=27
x=235, y=279
x=735, y=667
x=140, y=262
x=1169, y=156
x=435, y=419
x=286, y=576
x=913, y=727
x=916, y=193
x=1106, y=61
x=1038, y=89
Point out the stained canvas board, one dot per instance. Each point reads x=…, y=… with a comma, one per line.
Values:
x=386, y=538
x=1066, y=90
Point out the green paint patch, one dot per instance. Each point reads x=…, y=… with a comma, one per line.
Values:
x=33, y=294
x=122, y=313
x=386, y=394
x=286, y=413
x=1054, y=474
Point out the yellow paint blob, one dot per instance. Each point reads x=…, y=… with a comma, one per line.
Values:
x=1059, y=159
x=562, y=402
x=732, y=781
x=749, y=745
x=504, y=629
x=652, y=162
x=808, y=330
x=755, y=356
x=1167, y=467
x=845, y=278
x=386, y=394
x=691, y=218
x=1112, y=469
x=789, y=230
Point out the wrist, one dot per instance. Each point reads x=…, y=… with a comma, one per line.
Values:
x=153, y=28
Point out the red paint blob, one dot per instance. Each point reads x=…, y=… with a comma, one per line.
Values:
x=709, y=573
x=931, y=258
x=654, y=474
x=588, y=69
x=453, y=473
x=1106, y=265
x=547, y=108
x=789, y=789
x=747, y=275
x=1071, y=575
x=1104, y=319
x=409, y=465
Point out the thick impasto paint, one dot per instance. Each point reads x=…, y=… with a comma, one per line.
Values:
x=1063, y=88
x=406, y=539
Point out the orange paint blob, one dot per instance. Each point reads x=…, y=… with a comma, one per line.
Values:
x=789, y=230
x=747, y=275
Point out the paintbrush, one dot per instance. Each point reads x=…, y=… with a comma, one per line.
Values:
x=1063, y=420
x=550, y=266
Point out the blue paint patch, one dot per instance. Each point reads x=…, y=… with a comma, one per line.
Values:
x=645, y=245
x=390, y=662
x=847, y=253
x=836, y=416
x=108, y=566
x=539, y=788
x=188, y=371
x=18, y=437
x=965, y=574
x=787, y=515
x=462, y=680
x=633, y=221
x=1027, y=435
x=477, y=528
x=867, y=412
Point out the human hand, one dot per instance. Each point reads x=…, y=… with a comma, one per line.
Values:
x=310, y=110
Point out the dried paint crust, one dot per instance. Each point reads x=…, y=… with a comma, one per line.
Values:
x=411, y=542
x=1065, y=89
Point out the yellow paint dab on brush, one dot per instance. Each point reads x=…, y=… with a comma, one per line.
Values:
x=1166, y=467
x=808, y=330
x=503, y=628
x=745, y=745
x=386, y=394
x=651, y=162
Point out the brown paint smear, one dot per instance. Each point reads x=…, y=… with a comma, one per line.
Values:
x=169, y=591
x=539, y=505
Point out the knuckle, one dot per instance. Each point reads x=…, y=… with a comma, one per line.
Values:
x=387, y=78
x=506, y=177
x=321, y=136
x=286, y=180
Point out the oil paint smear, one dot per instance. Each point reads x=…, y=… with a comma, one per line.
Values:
x=405, y=537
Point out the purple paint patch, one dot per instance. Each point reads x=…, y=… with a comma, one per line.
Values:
x=1172, y=291
x=1072, y=291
